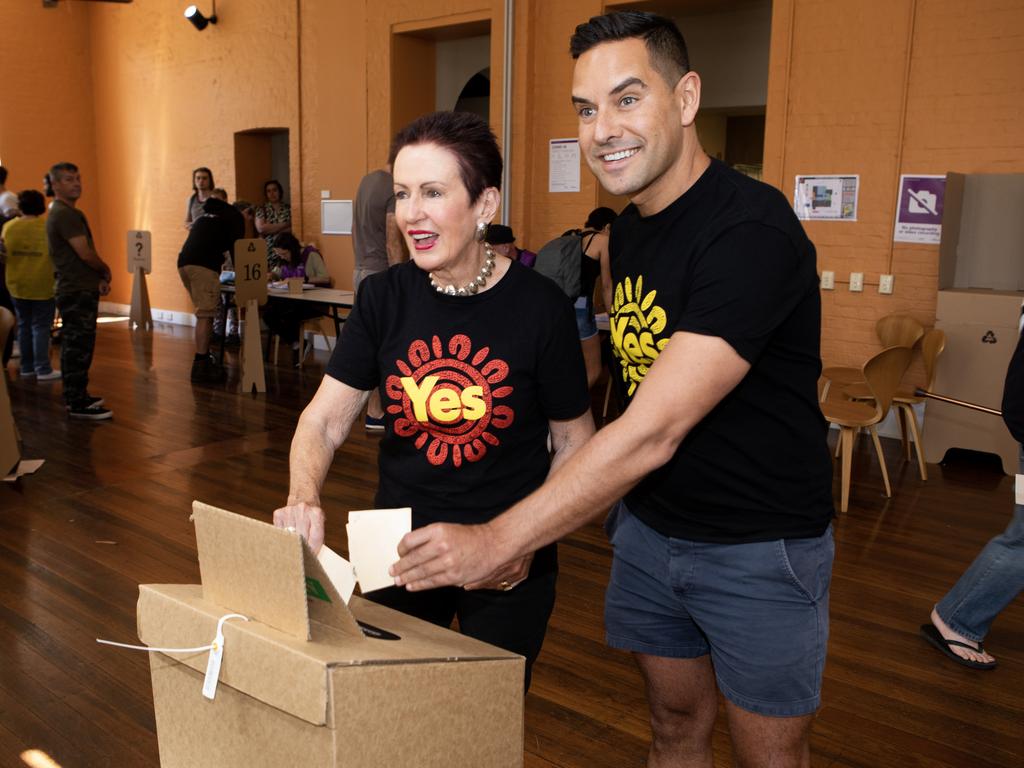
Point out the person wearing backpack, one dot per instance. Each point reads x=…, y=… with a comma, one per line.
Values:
x=574, y=261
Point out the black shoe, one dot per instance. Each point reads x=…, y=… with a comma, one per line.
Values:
x=88, y=402
x=90, y=412
x=206, y=371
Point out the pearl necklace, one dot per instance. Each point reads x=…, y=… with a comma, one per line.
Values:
x=473, y=285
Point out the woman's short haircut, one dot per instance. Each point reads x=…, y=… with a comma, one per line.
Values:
x=465, y=135
x=205, y=170
x=276, y=183
x=31, y=202
x=665, y=45
x=600, y=218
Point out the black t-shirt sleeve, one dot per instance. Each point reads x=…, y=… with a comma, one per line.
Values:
x=354, y=360
x=67, y=224
x=561, y=373
x=744, y=286
x=1013, y=394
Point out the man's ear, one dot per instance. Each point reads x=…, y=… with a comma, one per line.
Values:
x=687, y=92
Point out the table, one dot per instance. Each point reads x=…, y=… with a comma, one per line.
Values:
x=334, y=299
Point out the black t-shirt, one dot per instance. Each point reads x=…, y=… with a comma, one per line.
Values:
x=729, y=259
x=1013, y=393
x=211, y=235
x=468, y=385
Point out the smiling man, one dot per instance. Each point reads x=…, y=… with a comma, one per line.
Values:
x=722, y=538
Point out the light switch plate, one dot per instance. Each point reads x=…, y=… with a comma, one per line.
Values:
x=857, y=281
x=828, y=280
x=885, y=284
x=325, y=194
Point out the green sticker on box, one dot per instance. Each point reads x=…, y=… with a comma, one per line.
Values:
x=315, y=589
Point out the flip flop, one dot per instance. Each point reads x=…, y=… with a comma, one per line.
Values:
x=934, y=637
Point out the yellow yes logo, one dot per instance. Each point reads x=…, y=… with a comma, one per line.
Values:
x=635, y=323
x=443, y=403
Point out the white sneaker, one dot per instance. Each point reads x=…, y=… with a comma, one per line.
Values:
x=54, y=374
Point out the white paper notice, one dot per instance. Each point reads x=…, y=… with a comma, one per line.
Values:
x=339, y=571
x=564, y=165
x=826, y=197
x=1020, y=489
x=373, y=537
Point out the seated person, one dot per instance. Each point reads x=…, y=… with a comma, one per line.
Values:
x=283, y=316
x=502, y=241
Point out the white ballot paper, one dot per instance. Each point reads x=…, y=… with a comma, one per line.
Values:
x=339, y=571
x=373, y=536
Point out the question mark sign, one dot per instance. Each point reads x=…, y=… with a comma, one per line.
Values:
x=138, y=248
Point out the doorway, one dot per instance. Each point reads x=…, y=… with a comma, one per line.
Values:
x=261, y=154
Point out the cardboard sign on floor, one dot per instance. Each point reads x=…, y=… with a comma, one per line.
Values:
x=310, y=681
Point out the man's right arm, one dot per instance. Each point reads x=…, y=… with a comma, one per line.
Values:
x=323, y=427
x=395, y=243
x=81, y=246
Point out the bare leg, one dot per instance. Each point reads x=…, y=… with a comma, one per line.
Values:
x=204, y=328
x=683, y=700
x=759, y=741
x=592, y=358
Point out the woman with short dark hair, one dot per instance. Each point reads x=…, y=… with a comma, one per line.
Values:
x=469, y=398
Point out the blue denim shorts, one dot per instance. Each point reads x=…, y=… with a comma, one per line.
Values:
x=760, y=609
x=586, y=324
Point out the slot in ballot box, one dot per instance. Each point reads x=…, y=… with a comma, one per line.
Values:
x=310, y=681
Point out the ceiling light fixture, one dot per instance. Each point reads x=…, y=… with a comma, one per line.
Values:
x=198, y=20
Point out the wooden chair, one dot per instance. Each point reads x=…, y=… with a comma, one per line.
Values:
x=892, y=331
x=882, y=374
x=10, y=452
x=932, y=345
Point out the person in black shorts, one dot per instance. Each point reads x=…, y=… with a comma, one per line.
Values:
x=722, y=538
x=469, y=399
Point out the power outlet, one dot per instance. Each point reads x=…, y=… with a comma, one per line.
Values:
x=325, y=194
x=885, y=284
x=857, y=281
x=828, y=280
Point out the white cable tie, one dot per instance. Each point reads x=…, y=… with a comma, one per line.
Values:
x=200, y=649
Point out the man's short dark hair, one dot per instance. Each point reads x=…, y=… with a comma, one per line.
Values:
x=465, y=135
x=58, y=168
x=665, y=44
x=31, y=202
x=3, y=175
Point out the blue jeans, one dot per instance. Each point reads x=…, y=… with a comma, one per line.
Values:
x=994, y=579
x=35, y=317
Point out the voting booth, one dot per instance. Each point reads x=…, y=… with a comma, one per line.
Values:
x=307, y=680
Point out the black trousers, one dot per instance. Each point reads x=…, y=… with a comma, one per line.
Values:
x=78, y=339
x=515, y=620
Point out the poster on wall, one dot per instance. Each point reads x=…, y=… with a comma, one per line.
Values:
x=564, y=165
x=919, y=209
x=829, y=198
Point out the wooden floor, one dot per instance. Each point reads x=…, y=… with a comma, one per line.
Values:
x=109, y=510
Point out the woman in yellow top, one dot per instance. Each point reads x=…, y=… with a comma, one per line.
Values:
x=30, y=281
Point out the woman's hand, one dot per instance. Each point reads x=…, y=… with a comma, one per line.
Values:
x=507, y=576
x=307, y=520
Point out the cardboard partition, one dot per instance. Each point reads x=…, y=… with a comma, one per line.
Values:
x=310, y=680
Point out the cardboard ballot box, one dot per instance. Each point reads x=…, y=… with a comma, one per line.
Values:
x=309, y=681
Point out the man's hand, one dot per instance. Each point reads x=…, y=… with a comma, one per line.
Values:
x=104, y=287
x=444, y=554
x=507, y=576
x=305, y=519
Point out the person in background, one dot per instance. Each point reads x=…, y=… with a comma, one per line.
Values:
x=274, y=217
x=228, y=315
x=378, y=244
x=8, y=200
x=202, y=187
x=503, y=241
x=595, y=263
x=29, y=277
x=82, y=277
x=211, y=236
x=961, y=620
x=284, y=317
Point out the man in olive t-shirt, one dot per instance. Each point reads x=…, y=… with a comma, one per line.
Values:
x=82, y=277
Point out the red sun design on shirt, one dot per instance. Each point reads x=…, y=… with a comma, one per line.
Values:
x=444, y=399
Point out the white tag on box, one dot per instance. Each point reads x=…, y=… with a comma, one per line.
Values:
x=373, y=537
x=339, y=571
x=213, y=666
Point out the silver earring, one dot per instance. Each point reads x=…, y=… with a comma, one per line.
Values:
x=481, y=231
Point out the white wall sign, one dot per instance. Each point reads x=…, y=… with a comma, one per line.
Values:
x=830, y=198
x=564, y=165
x=140, y=251
x=336, y=217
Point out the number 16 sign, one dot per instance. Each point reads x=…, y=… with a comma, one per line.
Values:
x=250, y=292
